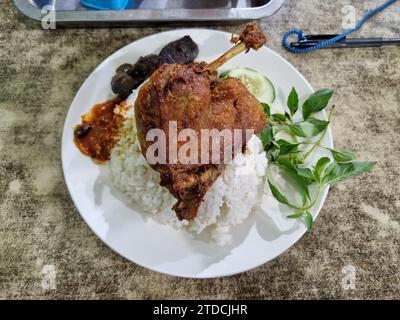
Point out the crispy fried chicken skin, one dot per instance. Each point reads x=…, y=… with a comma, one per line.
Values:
x=192, y=96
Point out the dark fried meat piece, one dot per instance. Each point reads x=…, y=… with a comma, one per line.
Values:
x=251, y=36
x=182, y=51
x=191, y=96
x=144, y=67
x=235, y=106
x=180, y=93
x=128, y=77
x=189, y=187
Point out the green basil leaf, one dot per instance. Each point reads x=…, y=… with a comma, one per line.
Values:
x=286, y=147
x=316, y=102
x=267, y=109
x=266, y=136
x=293, y=101
x=224, y=74
x=295, y=215
x=273, y=152
x=320, y=168
x=277, y=194
x=299, y=181
x=343, y=155
x=286, y=163
x=309, y=220
x=278, y=117
x=344, y=171
x=308, y=128
x=306, y=174
x=295, y=158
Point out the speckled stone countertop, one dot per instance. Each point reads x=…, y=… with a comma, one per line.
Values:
x=41, y=231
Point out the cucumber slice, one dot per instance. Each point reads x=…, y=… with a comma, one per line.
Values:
x=259, y=85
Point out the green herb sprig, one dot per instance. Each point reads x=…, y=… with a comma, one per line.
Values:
x=291, y=154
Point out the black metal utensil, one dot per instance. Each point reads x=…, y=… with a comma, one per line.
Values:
x=312, y=40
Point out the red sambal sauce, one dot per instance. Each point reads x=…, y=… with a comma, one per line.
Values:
x=96, y=135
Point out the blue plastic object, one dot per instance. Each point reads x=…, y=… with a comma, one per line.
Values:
x=300, y=33
x=106, y=4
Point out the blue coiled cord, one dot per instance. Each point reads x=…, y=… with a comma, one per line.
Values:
x=322, y=44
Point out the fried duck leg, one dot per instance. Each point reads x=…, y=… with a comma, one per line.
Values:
x=190, y=96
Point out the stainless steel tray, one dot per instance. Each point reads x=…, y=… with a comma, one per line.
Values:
x=71, y=12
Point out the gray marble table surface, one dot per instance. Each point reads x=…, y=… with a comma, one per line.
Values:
x=42, y=233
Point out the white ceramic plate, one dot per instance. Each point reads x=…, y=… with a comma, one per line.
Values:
x=147, y=243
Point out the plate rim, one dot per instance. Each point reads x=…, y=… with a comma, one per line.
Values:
x=66, y=132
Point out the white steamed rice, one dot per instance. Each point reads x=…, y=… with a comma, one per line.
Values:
x=228, y=202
